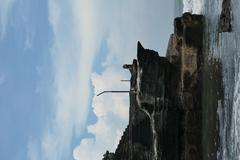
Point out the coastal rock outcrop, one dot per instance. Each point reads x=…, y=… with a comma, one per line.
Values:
x=165, y=114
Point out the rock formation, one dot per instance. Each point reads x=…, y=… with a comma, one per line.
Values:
x=225, y=22
x=165, y=117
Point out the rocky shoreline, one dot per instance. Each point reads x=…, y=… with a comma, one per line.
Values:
x=167, y=100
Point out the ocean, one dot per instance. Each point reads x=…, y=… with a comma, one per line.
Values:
x=225, y=48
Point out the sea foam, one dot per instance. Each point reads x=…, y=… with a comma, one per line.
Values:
x=193, y=6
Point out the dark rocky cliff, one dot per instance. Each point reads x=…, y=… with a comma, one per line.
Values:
x=165, y=115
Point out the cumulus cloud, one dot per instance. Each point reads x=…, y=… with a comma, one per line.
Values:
x=126, y=23
x=79, y=27
x=75, y=45
x=112, y=113
x=5, y=8
x=110, y=80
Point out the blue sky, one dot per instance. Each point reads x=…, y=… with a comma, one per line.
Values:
x=55, y=55
x=25, y=68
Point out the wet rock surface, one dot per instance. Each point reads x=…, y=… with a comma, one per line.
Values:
x=165, y=117
x=212, y=102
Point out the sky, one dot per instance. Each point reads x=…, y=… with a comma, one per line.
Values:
x=55, y=56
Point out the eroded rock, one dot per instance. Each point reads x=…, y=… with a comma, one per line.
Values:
x=165, y=120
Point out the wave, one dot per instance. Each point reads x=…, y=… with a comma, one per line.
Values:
x=193, y=6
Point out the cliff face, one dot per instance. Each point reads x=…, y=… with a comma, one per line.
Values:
x=165, y=99
x=191, y=84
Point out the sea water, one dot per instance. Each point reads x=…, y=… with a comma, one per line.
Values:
x=226, y=47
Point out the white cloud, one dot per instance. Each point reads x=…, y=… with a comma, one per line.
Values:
x=110, y=80
x=73, y=52
x=112, y=113
x=5, y=8
x=193, y=6
x=79, y=27
x=126, y=23
x=138, y=20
